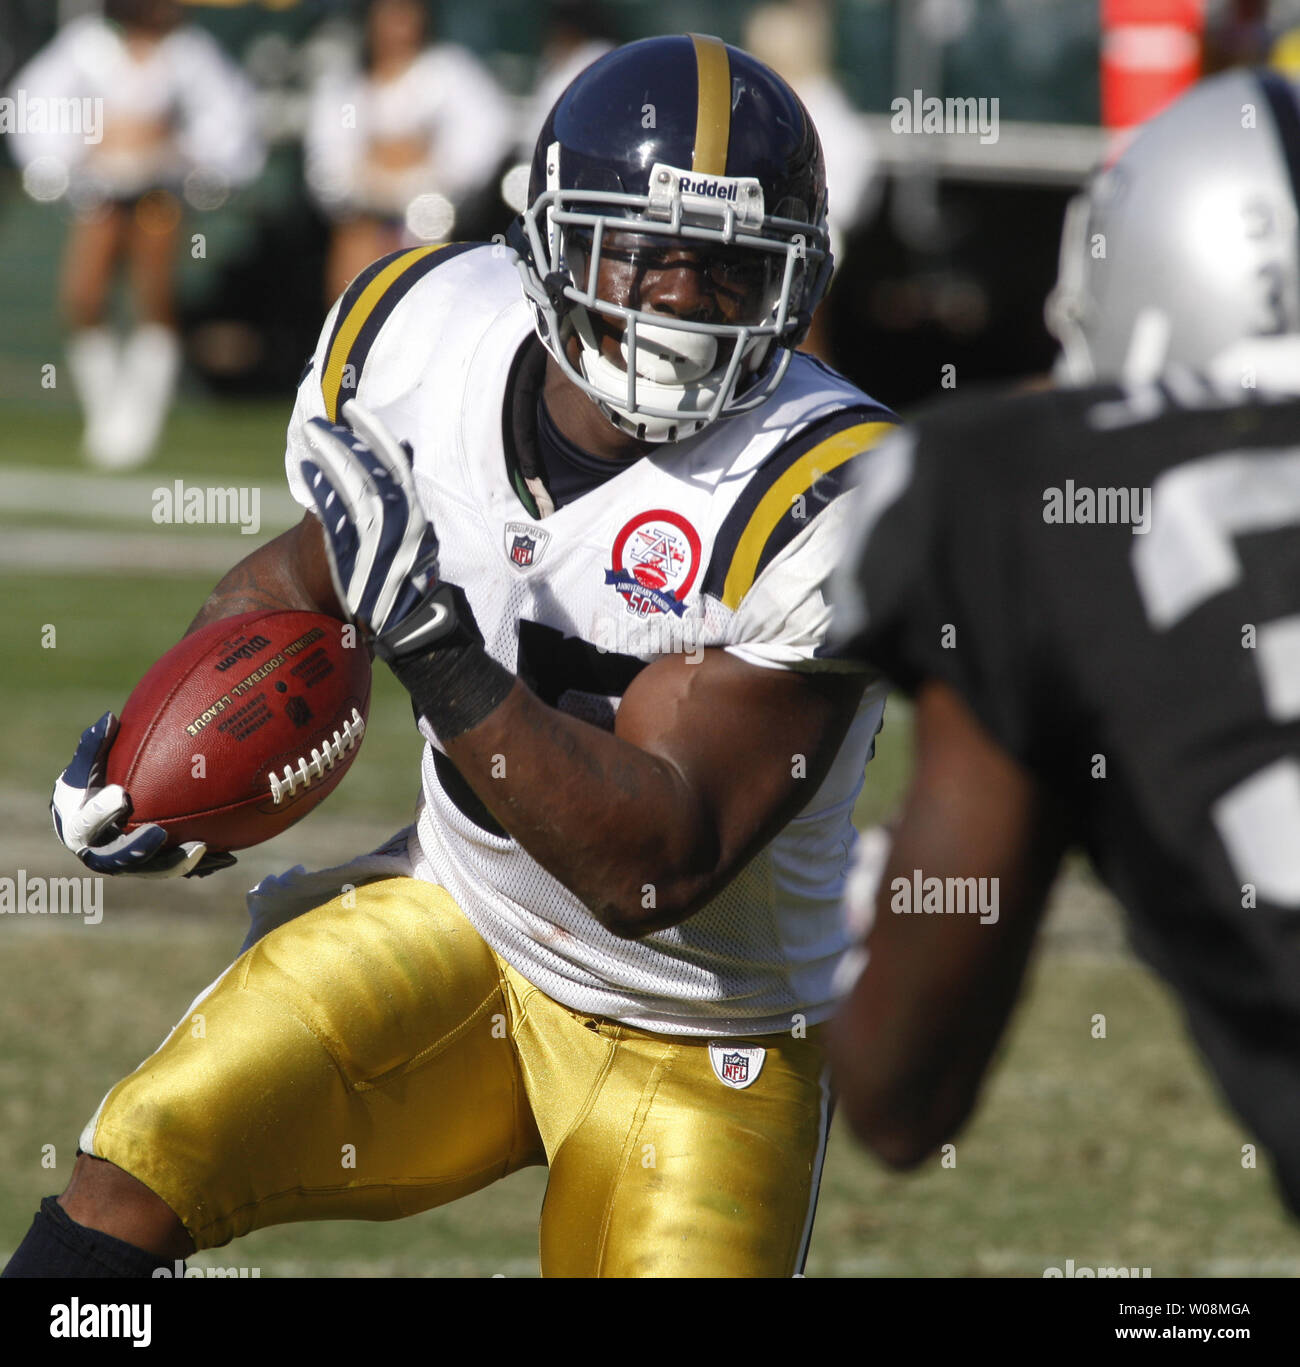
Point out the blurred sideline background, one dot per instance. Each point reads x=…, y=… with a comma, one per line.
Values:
x=1109, y=1151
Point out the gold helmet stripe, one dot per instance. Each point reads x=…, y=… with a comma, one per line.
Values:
x=713, y=114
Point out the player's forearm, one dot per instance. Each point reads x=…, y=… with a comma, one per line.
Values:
x=618, y=826
x=915, y=1038
x=289, y=573
x=908, y=1084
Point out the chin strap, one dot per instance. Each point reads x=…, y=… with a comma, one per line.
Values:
x=554, y=283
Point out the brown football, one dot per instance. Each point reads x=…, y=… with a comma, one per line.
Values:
x=243, y=727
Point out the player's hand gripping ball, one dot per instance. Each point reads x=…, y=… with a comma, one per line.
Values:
x=239, y=731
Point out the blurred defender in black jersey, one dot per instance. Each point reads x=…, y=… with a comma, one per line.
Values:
x=1094, y=595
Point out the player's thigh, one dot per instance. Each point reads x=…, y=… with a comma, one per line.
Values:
x=350, y=1065
x=673, y=1173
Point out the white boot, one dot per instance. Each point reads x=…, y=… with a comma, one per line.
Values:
x=151, y=362
x=94, y=362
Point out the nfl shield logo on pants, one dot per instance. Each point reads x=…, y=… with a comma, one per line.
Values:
x=738, y=1065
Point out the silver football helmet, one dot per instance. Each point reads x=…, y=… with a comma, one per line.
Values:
x=1189, y=242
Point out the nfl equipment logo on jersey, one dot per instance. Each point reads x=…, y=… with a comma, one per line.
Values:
x=738, y=1065
x=525, y=544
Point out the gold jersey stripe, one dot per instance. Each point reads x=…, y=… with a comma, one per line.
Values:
x=713, y=114
x=350, y=327
x=779, y=500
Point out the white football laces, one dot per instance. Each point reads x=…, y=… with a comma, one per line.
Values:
x=323, y=759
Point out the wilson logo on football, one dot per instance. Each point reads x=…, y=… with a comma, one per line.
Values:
x=242, y=652
x=656, y=558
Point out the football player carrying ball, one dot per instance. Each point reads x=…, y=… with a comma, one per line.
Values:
x=582, y=495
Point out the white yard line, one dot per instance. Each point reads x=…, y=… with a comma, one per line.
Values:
x=124, y=498
x=54, y=551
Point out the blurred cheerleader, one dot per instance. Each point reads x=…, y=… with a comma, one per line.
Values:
x=395, y=147
x=177, y=118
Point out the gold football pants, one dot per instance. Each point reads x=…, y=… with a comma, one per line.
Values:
x=374, y=1058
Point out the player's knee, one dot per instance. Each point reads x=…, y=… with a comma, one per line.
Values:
x=104, y=1197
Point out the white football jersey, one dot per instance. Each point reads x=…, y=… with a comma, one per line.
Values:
x=722, y=540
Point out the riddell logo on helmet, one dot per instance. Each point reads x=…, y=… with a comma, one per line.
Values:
x=710, y=189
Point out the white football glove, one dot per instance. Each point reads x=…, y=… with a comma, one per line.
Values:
x=86, y=815
x=383, y=551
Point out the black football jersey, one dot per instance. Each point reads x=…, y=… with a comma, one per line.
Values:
x=1111, y=581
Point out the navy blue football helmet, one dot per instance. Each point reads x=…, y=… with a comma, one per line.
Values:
x=672, y=150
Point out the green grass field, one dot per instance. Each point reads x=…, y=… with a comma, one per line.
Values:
x=1109, y=1152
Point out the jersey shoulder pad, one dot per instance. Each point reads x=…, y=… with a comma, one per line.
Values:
x=793, y=485
x=369, y=302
